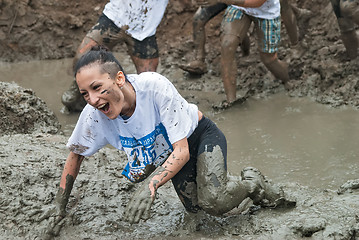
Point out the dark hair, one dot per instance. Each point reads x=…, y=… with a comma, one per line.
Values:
x=103, y=57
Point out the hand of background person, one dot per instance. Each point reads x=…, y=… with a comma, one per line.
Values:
x=207, y=3
x=140, y=204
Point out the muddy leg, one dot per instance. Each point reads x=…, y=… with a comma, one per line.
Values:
x=350, y=41
x=348, y=36
x=277, y=67
x=350, y=9
x=233, y=33
x=145, y=65
x=289, y=20
x=200, y=19
x=71, y=98
x=217, y=192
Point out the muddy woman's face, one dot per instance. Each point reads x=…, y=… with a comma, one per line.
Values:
x=100, y=91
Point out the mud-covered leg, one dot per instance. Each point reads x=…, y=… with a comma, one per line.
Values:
x=200, y=19
x=262, y=191
x=217, y=192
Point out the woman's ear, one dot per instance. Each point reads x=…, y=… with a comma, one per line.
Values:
x=120, y=79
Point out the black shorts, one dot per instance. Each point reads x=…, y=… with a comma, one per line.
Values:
x=205, y=137
x=105, y=32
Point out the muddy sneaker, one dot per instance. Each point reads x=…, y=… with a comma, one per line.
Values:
x=262, y=191
x=195, y=67
x=72, y=99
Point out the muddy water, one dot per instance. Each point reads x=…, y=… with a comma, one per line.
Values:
x=290, y=139
x=293, y=139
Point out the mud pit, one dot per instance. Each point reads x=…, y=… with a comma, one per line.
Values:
x=31, y=161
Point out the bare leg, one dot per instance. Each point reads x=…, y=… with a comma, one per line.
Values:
x=277, y=67
x=289, y=20
x=350, y=41
x=86, y=44
x=233, y=33
x=200, y=19
x=302, y=16
x=350, y=13
x=145, y=65
x=72, y=98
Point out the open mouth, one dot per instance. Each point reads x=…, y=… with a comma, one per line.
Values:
x=104, y=107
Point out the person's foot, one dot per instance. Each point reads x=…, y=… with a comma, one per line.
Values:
x=263, y=192
x=295, y=52
x=195, y=67
x=241, y=95
x=72, y=99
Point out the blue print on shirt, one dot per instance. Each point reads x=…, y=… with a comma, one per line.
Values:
x=154, y=148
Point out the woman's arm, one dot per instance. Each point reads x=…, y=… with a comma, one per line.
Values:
x=69, y=174
x=57, y=214
x=71, y=168
x=174, y=163
x=140, y=204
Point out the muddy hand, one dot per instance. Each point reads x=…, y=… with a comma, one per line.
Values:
x=140, y=205
x=56, y=219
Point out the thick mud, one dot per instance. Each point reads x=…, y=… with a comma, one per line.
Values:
x=32, y=155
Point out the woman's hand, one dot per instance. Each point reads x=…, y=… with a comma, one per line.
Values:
x=56, y=219
x=140, y=205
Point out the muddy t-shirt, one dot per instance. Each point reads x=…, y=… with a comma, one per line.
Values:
x=141, y=17
x=269, y=10
x=161, y=117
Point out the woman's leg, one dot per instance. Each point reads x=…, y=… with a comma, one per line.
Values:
x=218, y=192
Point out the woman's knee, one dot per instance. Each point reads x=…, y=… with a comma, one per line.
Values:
x=211, y=203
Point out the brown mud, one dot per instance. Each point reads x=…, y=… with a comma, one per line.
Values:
x=32, y=156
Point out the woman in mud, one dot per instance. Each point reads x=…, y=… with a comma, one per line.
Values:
x=164, y=137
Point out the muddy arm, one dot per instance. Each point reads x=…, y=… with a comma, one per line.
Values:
x=69, y=174
x=140, y=204
x=57, y=214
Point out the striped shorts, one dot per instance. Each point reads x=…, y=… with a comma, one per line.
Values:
x=268, y=30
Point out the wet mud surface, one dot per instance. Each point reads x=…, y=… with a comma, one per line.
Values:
x=32, y=156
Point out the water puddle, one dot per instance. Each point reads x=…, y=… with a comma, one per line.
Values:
x=294, y=140
x=289, y=139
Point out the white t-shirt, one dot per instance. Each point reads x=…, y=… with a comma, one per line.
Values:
x=269, y=10
x=161, y=117
x=141, y=17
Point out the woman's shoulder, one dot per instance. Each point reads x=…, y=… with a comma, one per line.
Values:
x=149, y=80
